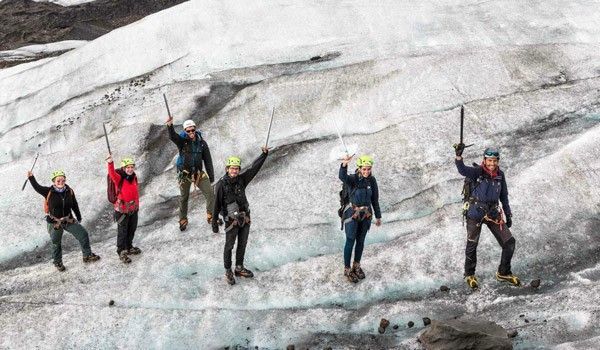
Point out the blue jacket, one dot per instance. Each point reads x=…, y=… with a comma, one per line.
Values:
x=486, y=193
x=363, y=191
x=192, y=153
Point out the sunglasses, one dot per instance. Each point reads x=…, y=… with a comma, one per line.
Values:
x=190, y=131
x=490, y=154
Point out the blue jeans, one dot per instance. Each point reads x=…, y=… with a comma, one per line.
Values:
x=356, y=232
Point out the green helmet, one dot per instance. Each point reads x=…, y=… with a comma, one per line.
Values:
x=233, y=161
x=364, y=160
x=57, y=173
x=127, y=161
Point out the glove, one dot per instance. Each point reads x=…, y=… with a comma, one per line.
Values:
x=508, y=221
x=215, y=227
x=459, y=148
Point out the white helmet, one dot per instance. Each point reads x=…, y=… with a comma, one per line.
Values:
x=188, y=123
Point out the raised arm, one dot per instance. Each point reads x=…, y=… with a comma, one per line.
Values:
x=114, y=176
x=251, y=172
x=43, y=190
x=467, y=171
x=173, y=136
x=349, y=180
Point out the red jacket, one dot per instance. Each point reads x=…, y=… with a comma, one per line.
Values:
x=128, y=199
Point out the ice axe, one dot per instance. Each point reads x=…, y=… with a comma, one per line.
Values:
x=167, y=104
x=270, y=124
x=27, y=179
x=106, y=137
x=462, y=122
x=337, y=129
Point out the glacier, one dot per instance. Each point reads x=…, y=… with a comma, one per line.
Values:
x=391, y=77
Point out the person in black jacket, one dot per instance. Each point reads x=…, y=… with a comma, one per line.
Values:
x=489, y=187
x=231, y=203
x=59, y=205
x=193, y=151
x=364, y=202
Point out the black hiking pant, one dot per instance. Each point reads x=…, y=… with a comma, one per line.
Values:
x=504, y=238
x=126, y=226
x=241, y=233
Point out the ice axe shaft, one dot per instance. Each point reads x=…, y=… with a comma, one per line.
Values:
x=462, y=122
x=462, y=125
x=270, y=124
x=337, y=129
x=106, y=137
x=27, y=179
x=167, y=104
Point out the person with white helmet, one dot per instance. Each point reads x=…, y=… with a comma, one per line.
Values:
x=193, y=151
x=126, y=206
x=59, y=205
x=358, y=214
x=232, y=204
x=487, y=189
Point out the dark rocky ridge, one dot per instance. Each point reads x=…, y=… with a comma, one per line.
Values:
x=25, y=22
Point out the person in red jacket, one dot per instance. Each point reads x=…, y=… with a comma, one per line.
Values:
x=126, y=206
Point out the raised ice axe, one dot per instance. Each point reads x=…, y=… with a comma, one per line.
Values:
x=27, y=179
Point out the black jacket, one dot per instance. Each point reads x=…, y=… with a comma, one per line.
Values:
x=229, y=190
x=192, y=153
x=61, y=203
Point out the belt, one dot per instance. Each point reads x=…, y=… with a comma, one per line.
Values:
x=237, y=218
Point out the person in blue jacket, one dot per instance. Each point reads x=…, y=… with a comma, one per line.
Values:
x=364, y=200
x=487, y=189
x=193, y=151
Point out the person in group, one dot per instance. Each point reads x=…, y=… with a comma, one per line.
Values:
x=126, y=206
x=193, y=151
x=59, y=205
x=488, y=187
x=231, y=203
x=363, y=201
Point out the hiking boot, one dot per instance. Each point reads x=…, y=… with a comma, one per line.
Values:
x=349, y=273
x=91, y=258
x=134, y=251
x=472, y=282
x=183, y=224
x=229, y=277
x=124, y=258
x=59, y=266
x=509, y=277
x=243, y=272
x=358, y=271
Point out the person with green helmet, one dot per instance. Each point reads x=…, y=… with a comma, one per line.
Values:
x=232, y=204
x=126, y=206
x=59, y=205
x=487, y=190
x=358, y=214
x=193, y=151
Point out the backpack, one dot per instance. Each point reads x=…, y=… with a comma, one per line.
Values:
x=47, y=200
x=112, y=192
x=468, y=187
x=181, y=156
x=344, y=199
